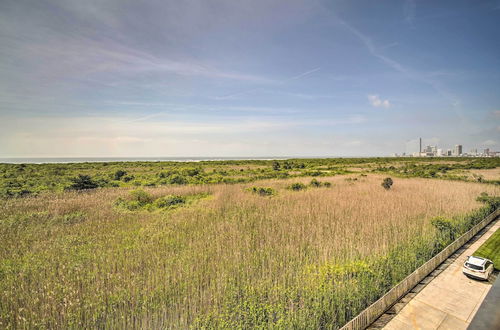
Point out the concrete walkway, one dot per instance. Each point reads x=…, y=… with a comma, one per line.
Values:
x=449, y=301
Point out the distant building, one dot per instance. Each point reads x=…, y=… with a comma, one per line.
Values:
x=448, y=152
x=486, y=152
x=440, y=153
x=473, y=152
x=429, y=151
x=457, y=151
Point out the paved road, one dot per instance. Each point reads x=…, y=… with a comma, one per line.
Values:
x=449, y=301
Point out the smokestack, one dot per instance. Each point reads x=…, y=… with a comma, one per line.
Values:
x=420, y=151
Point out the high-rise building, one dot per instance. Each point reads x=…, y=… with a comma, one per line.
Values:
x=439, y=153
x=486, y=151
x=457, y=151
x=448, y=152
x=473, y=152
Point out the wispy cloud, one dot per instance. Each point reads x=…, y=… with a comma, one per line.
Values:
x=249, y=91
x=87, y=56
x=408, y=72
x=302, y=74
x=377, y=102
x=410, y=7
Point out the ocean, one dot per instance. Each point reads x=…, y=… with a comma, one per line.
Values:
x=46, y=160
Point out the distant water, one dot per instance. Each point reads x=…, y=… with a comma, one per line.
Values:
x=128, y=159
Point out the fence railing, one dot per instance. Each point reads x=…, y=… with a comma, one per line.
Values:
x=375, y=310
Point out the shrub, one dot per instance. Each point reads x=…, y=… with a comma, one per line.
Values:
x=493, y=201
x=177, y=179
x=191, y=171
x=446, y=231
x=141, y=197
x=262, y=191
x=276, y=166
x=128, y=178
x=314, y=173
x=317, y=184
x=119, y=174
x=297, y=186
x=387, y=183
x=83, y=182
x=169, y=201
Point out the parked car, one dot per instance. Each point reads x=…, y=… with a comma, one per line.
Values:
x=477, y=267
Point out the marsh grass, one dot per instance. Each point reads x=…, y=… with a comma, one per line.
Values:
x=307, y=259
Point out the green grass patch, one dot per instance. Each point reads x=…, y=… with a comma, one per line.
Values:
x=138, y=200
x=491, y=249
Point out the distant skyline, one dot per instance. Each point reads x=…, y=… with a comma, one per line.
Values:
x=224, y=78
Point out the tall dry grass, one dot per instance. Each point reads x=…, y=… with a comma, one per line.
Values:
x=297, y=259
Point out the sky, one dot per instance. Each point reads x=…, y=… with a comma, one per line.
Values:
x=225, y=78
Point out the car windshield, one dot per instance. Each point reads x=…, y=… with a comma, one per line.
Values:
x=471, y=266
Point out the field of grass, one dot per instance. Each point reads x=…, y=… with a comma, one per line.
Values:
x=222, y=255
x=31, y=179
x=491, y=249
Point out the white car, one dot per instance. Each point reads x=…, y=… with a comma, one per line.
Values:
x=477, y=267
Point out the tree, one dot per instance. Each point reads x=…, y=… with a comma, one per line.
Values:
x=83, y=182
x=119, y=174
x=276, y=166
x=387, y=183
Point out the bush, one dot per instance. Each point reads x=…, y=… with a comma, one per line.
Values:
x=169, y=201
x=178, y=179
x=83, y=182
x=141, y=197
x=297, y=186
x=263, y=191
x=493, y=201
x=128, y=178
x=447, y=232
x=119, y=175
x=387, y=183
x=191, y=171
x=317, y=184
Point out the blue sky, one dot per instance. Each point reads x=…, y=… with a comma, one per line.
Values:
x=247, y=78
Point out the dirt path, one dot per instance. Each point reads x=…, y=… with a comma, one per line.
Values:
x=449, y=301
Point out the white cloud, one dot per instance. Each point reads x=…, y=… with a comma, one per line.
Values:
x=377, y=102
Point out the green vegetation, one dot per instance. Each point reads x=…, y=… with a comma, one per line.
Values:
x=82, y=182
x=491, y=249
x=141, y=200
x=18, y=180
x=315, y=183
x=149, y=248
x=297, y=186
x=443, y=168
x=387, y=183
x=263, y=191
